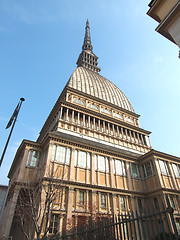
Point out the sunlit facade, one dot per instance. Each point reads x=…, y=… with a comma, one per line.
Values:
x=93, y=142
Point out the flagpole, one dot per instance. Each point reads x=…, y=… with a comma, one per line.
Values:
x=21, y=99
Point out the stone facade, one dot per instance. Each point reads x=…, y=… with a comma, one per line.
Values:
x=100, y=156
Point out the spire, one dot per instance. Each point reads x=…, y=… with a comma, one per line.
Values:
x=87, y=58
x=87, y=39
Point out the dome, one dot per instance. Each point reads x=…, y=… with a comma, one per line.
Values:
x=92, y=83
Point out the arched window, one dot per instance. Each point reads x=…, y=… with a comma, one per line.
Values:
x=118, y=115
x=104, y=110
x=93, y=107
x=79, y=101
x=129, y=120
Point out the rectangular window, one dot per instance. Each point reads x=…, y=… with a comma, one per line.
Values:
x=120, y=168
x=54, y=224
x=101, y=164
x=81, y=198
x=123, y=203
x=176, y=170
x=163, y=167
x=134, y=171
x=82, y=159
x=33, y=158
x=61, y=154
x=172, y=201
x=103, y=200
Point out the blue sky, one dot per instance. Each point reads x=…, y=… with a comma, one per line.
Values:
x=40, y=42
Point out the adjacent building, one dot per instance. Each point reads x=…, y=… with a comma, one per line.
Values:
x=167, y=14
x=93, y=142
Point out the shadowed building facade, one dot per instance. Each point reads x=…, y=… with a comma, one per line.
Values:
x=93, y=141
x=167, y=14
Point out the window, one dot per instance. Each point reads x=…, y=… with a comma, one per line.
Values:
x=163, y=167
x=156, y=204
x=61, y=154
x=81, y=198
x=103, y=200
x=139, y=204
x=135, y=171
x=79, y=101
x=54, y=224
x=123, y=203
x=172, y=201
x=105, y=111
x=101, y=163
x=148, y=169
x=33, y=157
x=118, y=116
x=129, y=120
x=93, y=107
x=119, y=167
x=176, y=170
x=82, y=159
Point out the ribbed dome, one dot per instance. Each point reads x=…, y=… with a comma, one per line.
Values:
x=89, y=82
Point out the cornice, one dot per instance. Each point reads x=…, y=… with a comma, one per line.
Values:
x=91, y=146
x=155, y=153
x=91, y=186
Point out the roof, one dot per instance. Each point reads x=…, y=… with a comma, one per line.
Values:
x=92, y=83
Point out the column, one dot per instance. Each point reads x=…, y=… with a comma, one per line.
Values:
x=99, y=201
x=108, y=203
x=139, y=141
x=84, y=120
x=118, y=133
x=129, y=180
x=99, y=124
x=126, y=134
x=173, y=178
x=48, y=161
x=114, y=202
x=67, y=113
x=111, y=173
x=142, y=140
x=78, y=118
x=113, y=130
x=69, y=208
x=93, y=200
x=71, y=167
x=122, y=133
x=104, y=128
x=61, y=111
x=87, y=200
x=63, y=199
x=94, y=123
x=75, y=204
x=134, y=136
x=109, y=128
x=93, y=174
x=89, y=121
x=72, y=115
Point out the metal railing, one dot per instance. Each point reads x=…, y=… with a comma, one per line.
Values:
x=156, y=225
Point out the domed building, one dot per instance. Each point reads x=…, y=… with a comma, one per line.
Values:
x=93, y=151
